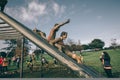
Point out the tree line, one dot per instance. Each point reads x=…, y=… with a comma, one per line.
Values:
x=95, y=44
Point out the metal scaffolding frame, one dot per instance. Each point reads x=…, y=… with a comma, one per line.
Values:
x=6, y=33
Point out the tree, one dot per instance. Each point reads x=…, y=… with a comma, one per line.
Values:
x=3, y=54
x=71, y=44
x=17, y=44
x=97, y=44
x=11, y=43
x=37, y=53
x=68, y=47
x=84, y=46
x=73, y=47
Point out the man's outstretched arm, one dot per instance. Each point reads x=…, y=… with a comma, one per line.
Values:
x=61, y=24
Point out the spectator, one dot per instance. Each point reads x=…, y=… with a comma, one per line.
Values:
x=55, y=61
x=5, y=64
x=1, y=62
x=30, y=59
x=33, y=59
x=18, y=62
x=44, y=61
x=13, y=60
x=29, y=65
x=105, y=59
x=9, y=61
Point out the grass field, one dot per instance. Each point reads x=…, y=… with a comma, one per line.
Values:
x=91, y=59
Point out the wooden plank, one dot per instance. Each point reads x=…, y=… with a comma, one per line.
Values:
x=8, y=38
x=7, y=26
x=7, y=29
x=13, y=31
x=9, y=32
x=2, y=23
x=10, y=35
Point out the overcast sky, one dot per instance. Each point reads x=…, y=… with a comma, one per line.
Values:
x=90, y=19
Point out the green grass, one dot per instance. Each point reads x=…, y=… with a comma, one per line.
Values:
x=52, y=71
x=92, y=59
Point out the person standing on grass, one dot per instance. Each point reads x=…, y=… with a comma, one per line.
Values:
x=44, y=61
x=105, y=59
x=29, y=65
x=13, y=60
x=1, y=62
x=18, y=62
x=5, y=64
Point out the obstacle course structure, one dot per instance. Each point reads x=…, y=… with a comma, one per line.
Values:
x=80, y=70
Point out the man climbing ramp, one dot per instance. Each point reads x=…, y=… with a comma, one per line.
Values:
x=2, y=4
x=39, y=32
x=58, y=42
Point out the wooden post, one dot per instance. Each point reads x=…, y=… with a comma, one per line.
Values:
x=22, y=53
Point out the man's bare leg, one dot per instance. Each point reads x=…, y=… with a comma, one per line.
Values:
x=74, y=56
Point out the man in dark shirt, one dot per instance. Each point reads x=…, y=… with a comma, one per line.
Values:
x=105, y=59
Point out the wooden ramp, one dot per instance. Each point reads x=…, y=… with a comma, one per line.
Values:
x=80, y=70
